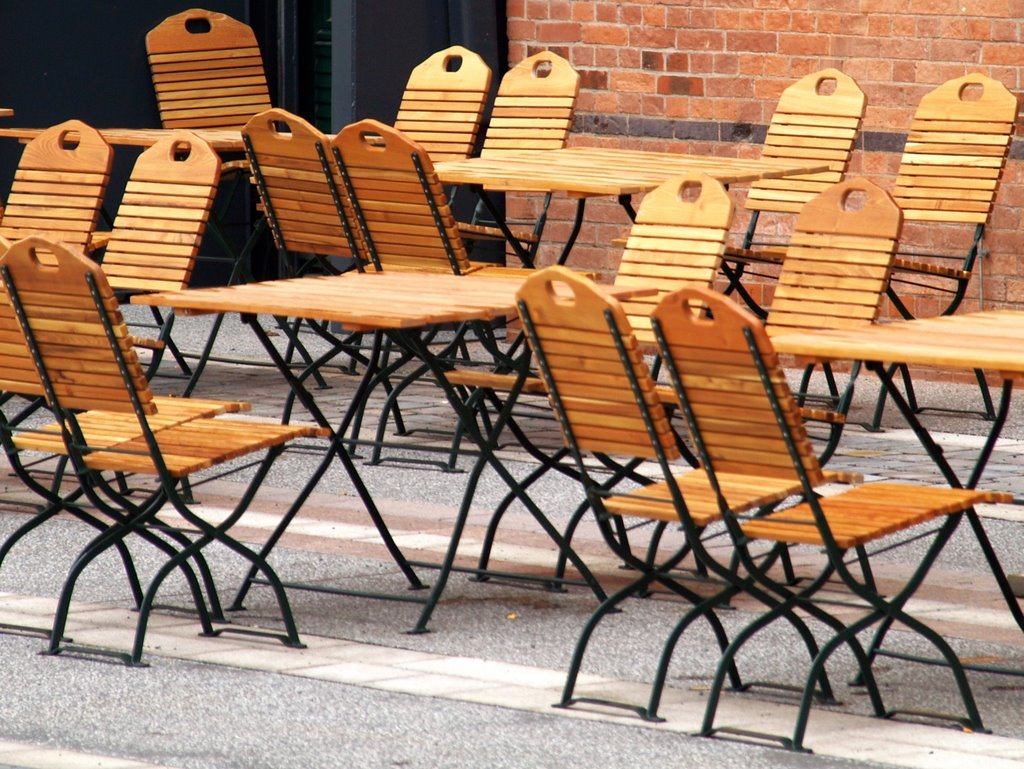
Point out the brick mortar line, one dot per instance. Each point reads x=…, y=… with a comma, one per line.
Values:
x=736, y=132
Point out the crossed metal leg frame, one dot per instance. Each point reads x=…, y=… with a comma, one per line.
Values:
x=486, y=437
x=336, y=449
x=910, y=414
x=878, y=611
x=142, y=519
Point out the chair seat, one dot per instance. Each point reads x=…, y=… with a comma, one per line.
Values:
x=489, y=232
x=923, y=267
x=105, y=428
x=867, y=513
x=744, y=492
x=494, y=381
x=762, y=255
x=192, y=446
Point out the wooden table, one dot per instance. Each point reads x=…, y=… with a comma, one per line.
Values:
x=593, y=171
x=402, y=306
x=583, y=172
x=222, y=140
x=991, y=341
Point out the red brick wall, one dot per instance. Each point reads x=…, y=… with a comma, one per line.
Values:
x=704, y=76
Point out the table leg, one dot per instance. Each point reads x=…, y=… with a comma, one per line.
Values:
x=336, y=449
x=487, y=443
x=935, y=452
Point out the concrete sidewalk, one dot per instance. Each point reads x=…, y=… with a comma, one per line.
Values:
x=478, y=690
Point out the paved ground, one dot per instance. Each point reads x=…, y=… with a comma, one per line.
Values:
x=478, y=690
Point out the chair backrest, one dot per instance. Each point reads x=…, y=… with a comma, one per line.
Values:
x=207, y=71
x=401, y=209
x=572, y=325
x=288, y=157
x=956, y=150
x=838, y=260
x=677, y=239
x=68, y=329
x=816, y=120
x=534, y=106
x=17, y=371
x=59, y=185
x=443, y=103
x=707, y=351
x=162, y=216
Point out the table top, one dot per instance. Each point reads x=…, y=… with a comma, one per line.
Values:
x=991, y=340
x=606, y=170
x=221, y=139
x=364, y=301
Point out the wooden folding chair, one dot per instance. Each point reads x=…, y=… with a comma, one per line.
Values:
x=817, y=118
x=299, y=193
x=443, y=103
x=400, y=216
x=747, y=427
x=677, y=239
x=157, y=233
x=291, y=167
x=207, y=71
x=58, y=295
x=949, y=175
x=837, y=268
x=608, y=407
x=59, y=185
x=533, y=110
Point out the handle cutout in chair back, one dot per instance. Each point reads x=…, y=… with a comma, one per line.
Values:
x=853, y=200
x=855, y=206
x=690, y=190
x=69, y=140
x=970, y=91
x=198, y=25
x=281, y=128
x=181, y=150
x=453, y=62
x=827, y=85
x=373, y=140
x=542, y=68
